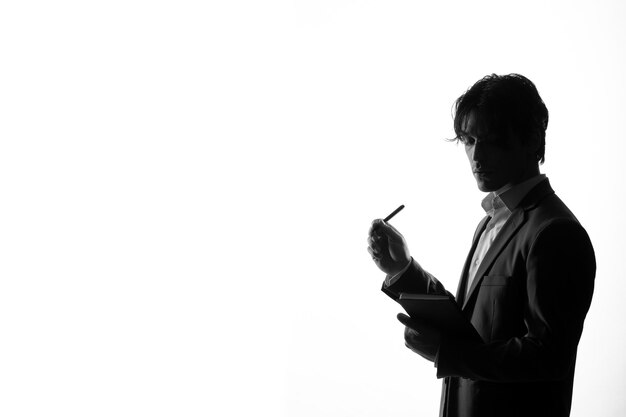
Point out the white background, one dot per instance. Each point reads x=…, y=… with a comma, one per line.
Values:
x=186, y=188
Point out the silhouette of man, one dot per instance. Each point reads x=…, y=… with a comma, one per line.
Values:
x=528, y=279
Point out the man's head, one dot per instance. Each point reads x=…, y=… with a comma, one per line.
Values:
x=502, y=122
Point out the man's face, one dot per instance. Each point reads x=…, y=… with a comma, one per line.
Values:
x=496, y=161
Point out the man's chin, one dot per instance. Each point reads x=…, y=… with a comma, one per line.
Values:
x=486, y=186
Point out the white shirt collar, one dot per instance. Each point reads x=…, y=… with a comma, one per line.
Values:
x=508, y=197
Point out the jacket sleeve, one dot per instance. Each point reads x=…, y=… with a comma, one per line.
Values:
x=560, y=272
x=414, y=280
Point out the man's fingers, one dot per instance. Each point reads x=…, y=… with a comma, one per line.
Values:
x=408, y=322
x=377, y=245
x=380, y=227
x=404, y=319
x=375, y=233
x=375, y=225
x=373, y=240
x=374, y=254
x=417, y=326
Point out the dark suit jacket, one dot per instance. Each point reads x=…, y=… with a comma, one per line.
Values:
x=528, y=301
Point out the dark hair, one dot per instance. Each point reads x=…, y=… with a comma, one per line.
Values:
x=504, y=105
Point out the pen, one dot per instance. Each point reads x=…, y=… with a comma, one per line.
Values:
x=396, y=211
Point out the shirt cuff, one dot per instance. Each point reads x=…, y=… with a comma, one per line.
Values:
x=391, y=279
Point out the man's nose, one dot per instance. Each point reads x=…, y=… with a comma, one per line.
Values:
x=477, y=152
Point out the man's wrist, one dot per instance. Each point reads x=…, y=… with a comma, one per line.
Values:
x=391, y=279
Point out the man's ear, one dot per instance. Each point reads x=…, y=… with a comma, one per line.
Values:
x=532, y=144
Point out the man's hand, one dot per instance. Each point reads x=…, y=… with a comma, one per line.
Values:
x=387, y=247
x=420, y=338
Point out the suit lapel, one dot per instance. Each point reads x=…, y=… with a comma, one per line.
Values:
x=504, y=236
x=461, y=290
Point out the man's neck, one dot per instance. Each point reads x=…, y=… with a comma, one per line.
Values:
x=527, y=174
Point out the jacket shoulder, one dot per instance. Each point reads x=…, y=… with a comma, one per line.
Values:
x=548, y=218
x=551, y=210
